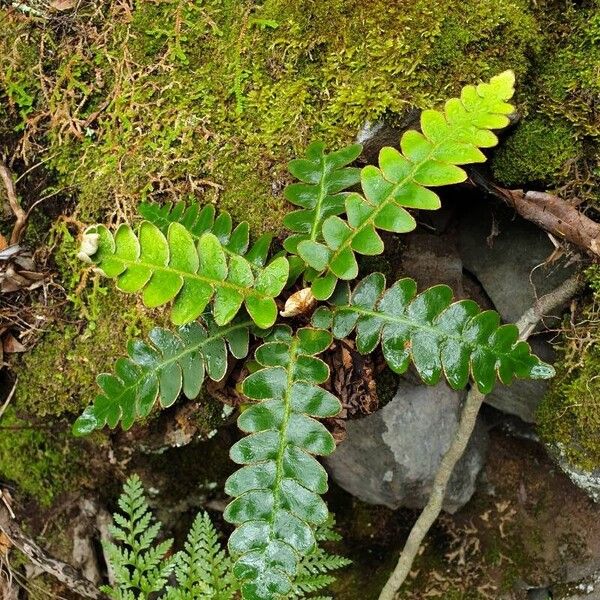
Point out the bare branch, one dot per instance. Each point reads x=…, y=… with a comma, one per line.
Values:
x=64, y=572
x=468, y=418
x=15, y=207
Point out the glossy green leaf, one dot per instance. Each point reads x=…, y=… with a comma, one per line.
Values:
x=439, y=336
x=324, y=178
x=430, y=157
x=277, y=493
x=170, y=363
x=190, y=270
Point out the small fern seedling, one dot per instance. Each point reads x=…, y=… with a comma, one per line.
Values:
x=223, y=292
x=203, y=570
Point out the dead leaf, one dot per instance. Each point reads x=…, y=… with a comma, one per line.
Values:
x=61, y=5
x=3, y=242
x=299, y=303
x=5, y=544
x=11, y=345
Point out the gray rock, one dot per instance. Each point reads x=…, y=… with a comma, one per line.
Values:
x=391, y=457
x=510, y=265
x=588, y=481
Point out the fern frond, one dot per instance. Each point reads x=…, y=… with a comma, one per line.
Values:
x=202, y=569
x=190, y=273
x=314, y=569
x=428, y=158
x=324, y=177
x=142, y=567
x=200, y=221
x=277, y=503
x=437, y=335
x=160, y=369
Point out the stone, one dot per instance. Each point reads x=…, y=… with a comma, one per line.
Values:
x=390, y=457
x=507, y=255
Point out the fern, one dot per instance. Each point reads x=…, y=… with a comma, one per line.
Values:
x=277, y=502
x=323, y=179
x=197, y=221
x=188, y=272
x=162, y=369
x=428, y=158
x=203, y=571
x=140, y=566
x=314, y=571
x=428, y=329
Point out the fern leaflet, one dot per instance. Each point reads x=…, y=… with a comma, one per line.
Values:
x=140, y=565
x=190, y=273
x=171, y=362
x=428, y=158
x=277, y=503
x=235, y=241
x=435, y=334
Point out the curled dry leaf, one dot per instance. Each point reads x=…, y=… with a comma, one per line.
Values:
x=5, y=544
x=299, y=303
x=17, y=270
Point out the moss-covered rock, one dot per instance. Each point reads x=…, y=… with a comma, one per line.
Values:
x=42, y=461
x=557, y=143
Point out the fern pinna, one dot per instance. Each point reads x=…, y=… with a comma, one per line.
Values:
x=212, y=275
x=277, y=502
x=427, y=158
x=173, y=362
x=176, y=267
x=437, y=335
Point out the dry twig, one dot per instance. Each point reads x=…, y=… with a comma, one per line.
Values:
x=15, y=207
x=64, y=572
x=468, y=418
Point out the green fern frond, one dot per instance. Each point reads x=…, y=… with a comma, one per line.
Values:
x=170, y=363
x=200, y=221
x=203, y=570
x=428, y=158
x=314, y=571
x=437, y=335
x=324, y=177
x=141, y=566
x=277, y=504
x=189, y=272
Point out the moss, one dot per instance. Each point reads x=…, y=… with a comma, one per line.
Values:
x=536, y=152
x=42, y=462
x=558, y=141
x=569, y=416
x=215, y=97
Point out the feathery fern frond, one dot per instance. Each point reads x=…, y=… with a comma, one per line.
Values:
x=200, y=221
x=324, y=177
x=314, y=571
x=203, y=570
x=190, y=273
x=427, y=158
x=277, y=503
x=171, y=362
x=140, y=565
x=436, y=334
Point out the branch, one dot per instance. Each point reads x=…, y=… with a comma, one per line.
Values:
x=15, y=207
x=549, y=212
x=64, y=572
x=468, y=418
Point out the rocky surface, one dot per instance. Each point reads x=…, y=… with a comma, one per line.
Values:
x=390, y=457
